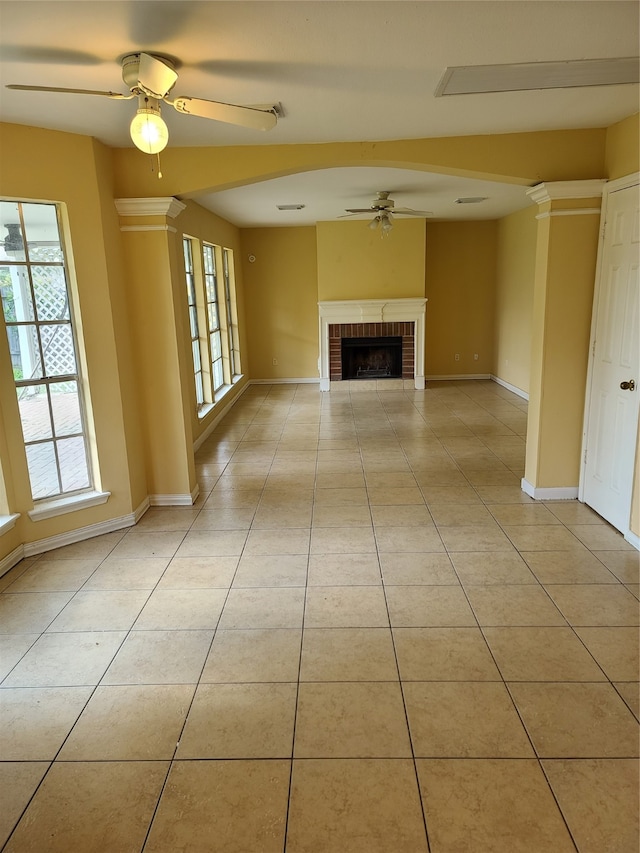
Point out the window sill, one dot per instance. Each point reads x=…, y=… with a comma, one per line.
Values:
x=60, y=506
x=204, y=410
x=8, y=521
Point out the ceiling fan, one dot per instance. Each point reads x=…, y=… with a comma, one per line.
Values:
x=384, y=208
x=151, y=78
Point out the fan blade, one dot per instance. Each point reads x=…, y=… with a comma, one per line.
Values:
x=229, y=113
x=406, y=211
x=363, y=209
x=154, y=77
x=115, y=95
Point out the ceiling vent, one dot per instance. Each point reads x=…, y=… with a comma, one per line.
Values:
x=290, y=206
x=519, y=77
x=474, y=199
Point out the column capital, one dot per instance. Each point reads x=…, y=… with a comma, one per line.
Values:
x=554, y=190
x=160, y=206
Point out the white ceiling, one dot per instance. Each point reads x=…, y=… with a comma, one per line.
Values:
x=358, y=70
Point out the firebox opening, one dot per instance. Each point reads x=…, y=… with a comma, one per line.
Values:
x=372, y=358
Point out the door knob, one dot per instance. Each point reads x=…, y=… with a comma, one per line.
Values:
x=628, y=386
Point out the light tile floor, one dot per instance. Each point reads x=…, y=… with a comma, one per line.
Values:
x=363, y=638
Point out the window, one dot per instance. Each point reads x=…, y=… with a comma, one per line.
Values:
x=38, y=317
x=230, y=299
x=212, y=320
x=194, y=326
x=213, y=316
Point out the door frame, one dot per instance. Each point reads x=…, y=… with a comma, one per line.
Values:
x=610, y=187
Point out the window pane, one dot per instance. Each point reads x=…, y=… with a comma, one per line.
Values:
x=191, y=293
x=50, y=288
x=199, y=389
x=195, y=346
x=193, y=322
x=43, y=471
x=218, y=378
x=73, y=464
x=11, y=239
x=25, y=353
x=33, y=403
x=65, y=404
x=216, y=346
x=43, y=238
x=17, y=304
x=188, y=264
x=58, y=349
x=214, y=322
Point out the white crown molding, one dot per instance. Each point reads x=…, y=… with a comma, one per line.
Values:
x=149, y=228
x=553, y=190
x=578, y=211
x=162, y=206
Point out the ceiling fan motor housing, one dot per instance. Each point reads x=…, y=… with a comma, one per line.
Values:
x=131, y=74
x=383, y=202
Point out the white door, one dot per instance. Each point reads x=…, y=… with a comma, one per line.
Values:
x=612, y=401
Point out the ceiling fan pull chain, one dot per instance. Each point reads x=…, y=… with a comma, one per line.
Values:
x=159, y=169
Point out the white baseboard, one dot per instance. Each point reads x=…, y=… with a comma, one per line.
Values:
x=11, y=560
x=78, y=535
x=140, y=510
x=632, y=539
x=510, y=387
x=563, y=493
x=175, y=500
x=293, y=381
x=454, y=376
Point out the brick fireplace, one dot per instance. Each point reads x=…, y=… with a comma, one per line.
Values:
x=372, y=319
x=372, y=336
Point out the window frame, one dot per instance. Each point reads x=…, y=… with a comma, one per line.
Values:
x=24, y=274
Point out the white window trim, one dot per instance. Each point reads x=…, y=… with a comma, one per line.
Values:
x=8, y=521
x=68, y=503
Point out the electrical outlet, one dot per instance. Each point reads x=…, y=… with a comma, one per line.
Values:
x=274, y=362
x=475, y=356
x=457, y=356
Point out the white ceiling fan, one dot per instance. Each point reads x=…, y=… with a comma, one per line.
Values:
x=385, y=209
x=150, y=78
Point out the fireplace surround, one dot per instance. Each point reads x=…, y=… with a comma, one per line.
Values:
x=374, y=317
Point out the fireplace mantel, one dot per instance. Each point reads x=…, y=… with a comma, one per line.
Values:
x=372, y=311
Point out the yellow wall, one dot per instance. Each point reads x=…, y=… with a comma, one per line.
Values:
x=460, y=288
x=43, y=165
x=622, y=152
x=355, y=262
x=281, y=302
x=515, y=272
x=520, y=158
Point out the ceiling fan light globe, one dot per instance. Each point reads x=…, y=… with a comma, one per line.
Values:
x=149, y=132
x=374, y=223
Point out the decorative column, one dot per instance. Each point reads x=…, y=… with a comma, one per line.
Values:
x=157, y=301
x=568, y=229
